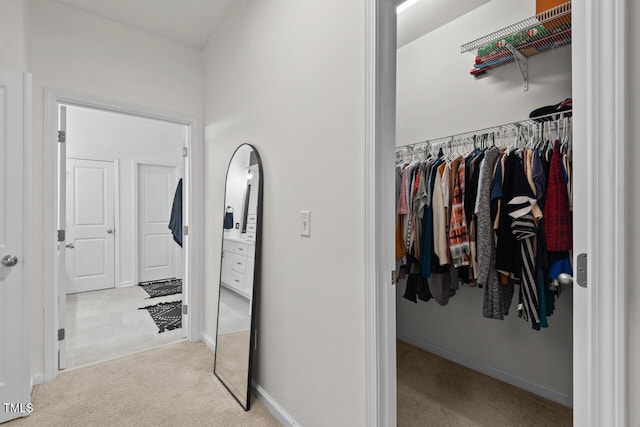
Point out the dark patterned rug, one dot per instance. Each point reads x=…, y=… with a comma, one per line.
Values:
x=167, y=315
x=163, y=287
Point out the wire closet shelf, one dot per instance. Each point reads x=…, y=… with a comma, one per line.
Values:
x=544, y=125
x=537, y=34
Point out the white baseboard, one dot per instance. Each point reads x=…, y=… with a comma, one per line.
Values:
x=209, y=342
x=37, y=379
x=491, y=371
x=274, y=408
x=125, y=284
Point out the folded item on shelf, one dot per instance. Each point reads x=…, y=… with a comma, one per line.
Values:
x=546, y=113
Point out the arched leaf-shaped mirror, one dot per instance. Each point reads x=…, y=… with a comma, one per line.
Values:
x=239, y=273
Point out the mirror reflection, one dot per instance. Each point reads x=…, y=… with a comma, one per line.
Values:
x=238, y=277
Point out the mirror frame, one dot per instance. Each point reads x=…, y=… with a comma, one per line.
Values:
x=256, y=278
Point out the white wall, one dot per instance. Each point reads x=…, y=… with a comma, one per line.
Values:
x=14, y=34
x=438, y=97
x=288, y=77
x=634, y=207
x=86, y=54
x=102, y=135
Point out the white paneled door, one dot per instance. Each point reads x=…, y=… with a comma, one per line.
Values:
x=158, y=254
x=90, y=239
x=14, y=353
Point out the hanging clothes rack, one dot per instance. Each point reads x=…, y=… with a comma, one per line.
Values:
x=488, y=136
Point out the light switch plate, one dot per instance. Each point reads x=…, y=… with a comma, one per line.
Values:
x=305, y=223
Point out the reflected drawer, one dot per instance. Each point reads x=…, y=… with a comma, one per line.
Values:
x=241, y=249
x=251, y=228
x=237, y=280
x=252, y=219
x=239, y=263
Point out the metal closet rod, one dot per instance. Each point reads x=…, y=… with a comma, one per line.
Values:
x=451, y=140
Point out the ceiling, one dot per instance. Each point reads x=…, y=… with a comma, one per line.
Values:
x=190, y=22
x=427, y=15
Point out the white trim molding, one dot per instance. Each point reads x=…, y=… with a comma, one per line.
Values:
x=600, y=84
x=274, y=407
x=210, y=342
x=191, y=245
x=379, y=293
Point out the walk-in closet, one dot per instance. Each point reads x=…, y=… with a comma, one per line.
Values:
x=484, y=233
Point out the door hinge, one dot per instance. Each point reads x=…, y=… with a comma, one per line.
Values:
x=185, y=151
x=581, y=276
x=61, y=235
x=185, y=310
x=62, y=136
x=60, y=334
x=185, y=230
x=394, y=277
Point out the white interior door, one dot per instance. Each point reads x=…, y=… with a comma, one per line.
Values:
x=158, y=254
x=90, y=238
x=14, y=341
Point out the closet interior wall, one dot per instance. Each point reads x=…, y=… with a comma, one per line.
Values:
x=437, y=97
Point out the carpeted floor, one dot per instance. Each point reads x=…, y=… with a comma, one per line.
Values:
x=433, y=391
x=175, y=385
x=168, y=386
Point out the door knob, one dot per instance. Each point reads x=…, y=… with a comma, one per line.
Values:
x=9, y=261
x=71, y=246
x=109, y=231
x=565, y=279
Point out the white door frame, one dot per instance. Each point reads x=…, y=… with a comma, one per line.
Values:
x=193, y=190
x=136, y=210
x=600, y=82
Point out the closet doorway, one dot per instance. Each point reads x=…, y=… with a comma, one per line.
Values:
x=122, y=203
x=452, y=321
x=599, y=360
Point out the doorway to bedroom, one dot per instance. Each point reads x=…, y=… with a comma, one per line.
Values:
x=121, y=264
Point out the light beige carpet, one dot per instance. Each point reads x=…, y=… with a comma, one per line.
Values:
x=433, y=391
x=169, y=386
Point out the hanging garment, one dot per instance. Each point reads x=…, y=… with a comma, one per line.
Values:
x=439, y=213
x=175, y=222
x=458, y=235
x=524, y=228
x=559, y=231
x=539, y=178
x=507, y=247
x=497, y=298
x=523, y=209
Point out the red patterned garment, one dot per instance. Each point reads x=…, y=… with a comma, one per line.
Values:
x=458, y=235
x=557, y=215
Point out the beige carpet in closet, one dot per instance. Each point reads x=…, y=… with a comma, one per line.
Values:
x=433, y=391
